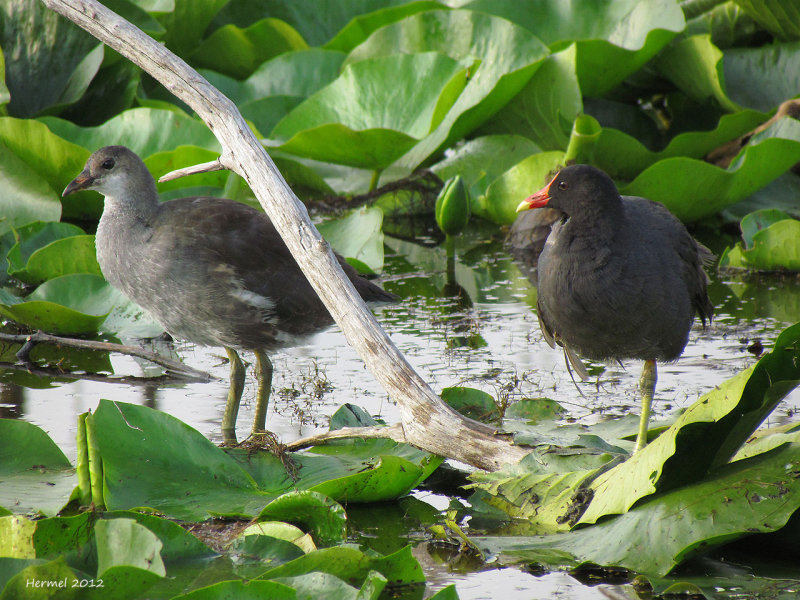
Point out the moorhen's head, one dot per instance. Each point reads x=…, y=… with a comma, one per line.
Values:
x=116, y=172
x=575, y=190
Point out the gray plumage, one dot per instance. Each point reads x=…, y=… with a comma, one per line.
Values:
x=209, y=270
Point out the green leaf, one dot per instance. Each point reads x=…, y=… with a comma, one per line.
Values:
x=506, y=192
x=151, y=459
x=186, y=23
x=535, y=409
x=508, y=55
x=126, y=542
x=238, y=52
x=393, y=112
x=472, y=403
x=143, y=130
x=295, y=74
x=67, y=305
x=705, y=436
x=363, y=25
x=55, y=578
x=546, y=107
x=325, y=517
x=755, y=222
x=762, y=78
x=316, y=20
x=323, y=585
x=775, y=248
x=242, y=590
x=24, y=241
x=624, y=157
x=352, y=565
x=27, y=197
x=53, y=62
x=780, y=17
x=36, y=475
x=5, y=95
x=692, y=189
x=74, y=254
x=357, y=235
x=614, y=38
x=16, y=540
x=748, y=496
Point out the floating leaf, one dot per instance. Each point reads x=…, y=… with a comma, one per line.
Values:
x=143, y=130
x=692, y=189
x=358, y=236
x=393, y=112
x=36, y=475
x=68, y=305
x=745, y=497
x=472, y=403
x=614, y=39
x=772, y=245
x=237, y=52
x=325, y=517
x=508, y=55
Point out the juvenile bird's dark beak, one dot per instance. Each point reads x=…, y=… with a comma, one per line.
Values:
x=537, y=200
x=81, y=182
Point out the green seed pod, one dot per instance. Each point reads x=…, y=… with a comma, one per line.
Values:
x=453, y=207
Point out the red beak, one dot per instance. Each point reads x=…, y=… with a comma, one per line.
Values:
x=537, y=200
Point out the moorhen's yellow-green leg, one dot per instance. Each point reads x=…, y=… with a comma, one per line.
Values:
x=264, y=377
x=234, y=397
x=647, y=389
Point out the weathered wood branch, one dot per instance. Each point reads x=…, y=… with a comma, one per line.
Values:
x=427, y=422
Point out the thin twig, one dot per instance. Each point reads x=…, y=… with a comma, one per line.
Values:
x=392, y=432
x=176, y=368
x=214, y=165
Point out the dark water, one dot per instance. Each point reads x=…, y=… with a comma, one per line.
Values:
x=479, y=330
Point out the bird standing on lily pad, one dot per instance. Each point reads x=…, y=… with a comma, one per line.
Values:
x=619, y=277
x=211, y=271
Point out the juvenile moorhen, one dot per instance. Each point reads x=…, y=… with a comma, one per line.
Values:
x=619, y=277
x=211, y=271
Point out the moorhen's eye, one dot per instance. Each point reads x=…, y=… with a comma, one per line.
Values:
x=108, y=164
x=562, y=185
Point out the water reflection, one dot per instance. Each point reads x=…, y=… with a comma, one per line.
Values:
x=473, y=324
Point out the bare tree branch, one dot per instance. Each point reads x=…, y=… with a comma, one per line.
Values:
x=427, y=421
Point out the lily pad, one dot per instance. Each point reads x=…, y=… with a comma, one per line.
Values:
x=547, y=106
x=73, y=254
x=37, y=477
x=143, y=130
x=68, y=305
x=745, y=497
x=508, y=55
x=693, y=189
x=238, y=52
x=614, y=38
x=393, y=111
x=772, y=243
x=357, y=236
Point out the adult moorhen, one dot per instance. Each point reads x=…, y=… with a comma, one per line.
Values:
x=619, y=277
x=211, y=271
